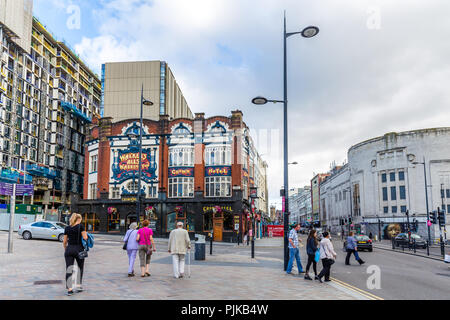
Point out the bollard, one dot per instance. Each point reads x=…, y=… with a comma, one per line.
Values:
x=253, y=247
x=414, y=245
x=210, y=245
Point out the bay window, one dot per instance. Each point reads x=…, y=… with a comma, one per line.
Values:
x=181, y=187
x=218, y=186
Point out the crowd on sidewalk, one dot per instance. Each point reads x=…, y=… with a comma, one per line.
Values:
x=137, y=242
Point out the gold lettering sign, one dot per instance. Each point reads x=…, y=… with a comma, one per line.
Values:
x=226, y=208
x=130, y=161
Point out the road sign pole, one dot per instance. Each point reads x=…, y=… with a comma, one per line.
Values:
x=11, y=219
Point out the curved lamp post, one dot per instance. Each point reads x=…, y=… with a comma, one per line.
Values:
x=307, y=32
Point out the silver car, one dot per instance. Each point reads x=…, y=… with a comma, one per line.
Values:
x=43, y=230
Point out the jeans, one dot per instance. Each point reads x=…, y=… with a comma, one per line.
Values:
x=178, y=264
x=131, y=259
x=349, y=253
x=294, y=253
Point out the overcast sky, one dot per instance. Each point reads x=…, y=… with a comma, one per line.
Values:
x=376, y=66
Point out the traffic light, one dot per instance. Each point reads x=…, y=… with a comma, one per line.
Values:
x=441, y=218
x=433, y=217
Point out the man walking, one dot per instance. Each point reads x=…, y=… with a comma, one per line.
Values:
x=293, y=250
x=352, y=247
x=179, y=243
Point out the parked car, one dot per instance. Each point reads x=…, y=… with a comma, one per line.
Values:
x=43, y=230
x=363, y=242
x=402, y=239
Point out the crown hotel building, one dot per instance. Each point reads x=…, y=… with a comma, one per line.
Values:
x=199, y=171
x=48, y=97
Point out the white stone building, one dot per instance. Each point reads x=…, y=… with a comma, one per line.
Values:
x=385, y=176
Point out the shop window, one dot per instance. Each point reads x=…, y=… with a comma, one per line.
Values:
x=228, y=221
x=91, y=222
x=181, y=216
x=207, y=221
x=113, y=222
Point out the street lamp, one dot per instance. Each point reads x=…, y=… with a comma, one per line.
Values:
x=138, y=198
x=426, y=197
x=308, y=32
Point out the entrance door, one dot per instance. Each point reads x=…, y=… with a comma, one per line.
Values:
x=218, y=227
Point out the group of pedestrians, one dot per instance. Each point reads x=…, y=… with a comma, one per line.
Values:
x=318, y=251
x=137, y=242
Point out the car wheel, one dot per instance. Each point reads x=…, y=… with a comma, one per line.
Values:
x=61, y=237
x=26, y=235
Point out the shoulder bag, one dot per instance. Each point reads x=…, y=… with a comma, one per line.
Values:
x=82, y=254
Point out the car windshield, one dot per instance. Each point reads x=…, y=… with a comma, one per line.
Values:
x=362, y=238
x=61, y=225
x=415, y=236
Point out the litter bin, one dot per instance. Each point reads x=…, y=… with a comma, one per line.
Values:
x=200, y=247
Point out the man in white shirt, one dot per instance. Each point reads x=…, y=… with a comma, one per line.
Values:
x=327, y=255
x=179, y=243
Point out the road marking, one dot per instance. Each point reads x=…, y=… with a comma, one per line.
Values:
x=360, y=291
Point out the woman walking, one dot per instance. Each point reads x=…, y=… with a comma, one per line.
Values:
x=132, y=247
x=72, y=246
x=146, y=247
x=311, y=248
x=327, y=255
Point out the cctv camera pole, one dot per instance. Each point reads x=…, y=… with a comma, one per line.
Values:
x=11, y=219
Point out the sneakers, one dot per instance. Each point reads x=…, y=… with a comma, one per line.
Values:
x=320, y=280
x=307, y=277
x=181, y=275
x=327, y=280
x=316, y=278
x=80, y=289
x=361, y=262
x=131, y=275
x=70, y=292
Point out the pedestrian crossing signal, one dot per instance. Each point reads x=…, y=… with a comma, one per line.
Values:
x=433, y=217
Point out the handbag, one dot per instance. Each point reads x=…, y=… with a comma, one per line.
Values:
x=317, y=256
x=82, y=254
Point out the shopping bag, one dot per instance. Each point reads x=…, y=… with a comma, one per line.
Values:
x=317, y=256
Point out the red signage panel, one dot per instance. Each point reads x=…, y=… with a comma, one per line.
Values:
x=275, y=231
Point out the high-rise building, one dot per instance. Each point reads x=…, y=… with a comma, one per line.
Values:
x=122, y=83
x=48, y=97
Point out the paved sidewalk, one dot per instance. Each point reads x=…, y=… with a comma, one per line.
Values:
x=228, y=274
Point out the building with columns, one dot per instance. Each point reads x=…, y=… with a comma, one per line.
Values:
x=198, y=171
x=385, y=178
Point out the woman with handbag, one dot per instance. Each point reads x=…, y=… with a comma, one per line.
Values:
x=328, y=256
x=74, y=250
x=146, y=247
x=131, y=245
x=311, y=249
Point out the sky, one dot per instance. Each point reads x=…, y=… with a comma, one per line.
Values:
x=376, y=66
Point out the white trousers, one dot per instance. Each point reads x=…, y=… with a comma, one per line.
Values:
x=178, y=264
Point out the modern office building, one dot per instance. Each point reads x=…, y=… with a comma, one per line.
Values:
x=193, y=170
x=122, y=83
x=48, y=97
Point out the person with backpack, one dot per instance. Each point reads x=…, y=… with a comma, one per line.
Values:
x=72, y=243
x=311, y=249
x=146, y=247
x=131, y=245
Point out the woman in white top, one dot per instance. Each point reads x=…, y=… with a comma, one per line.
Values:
x=327, y=255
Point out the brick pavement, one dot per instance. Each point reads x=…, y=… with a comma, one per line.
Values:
x=229, y=273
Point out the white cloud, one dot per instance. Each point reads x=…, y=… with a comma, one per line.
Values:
x=348, y=84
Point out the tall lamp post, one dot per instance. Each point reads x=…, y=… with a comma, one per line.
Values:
x=308, y=32
x=138, y=198
x=426, y=197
